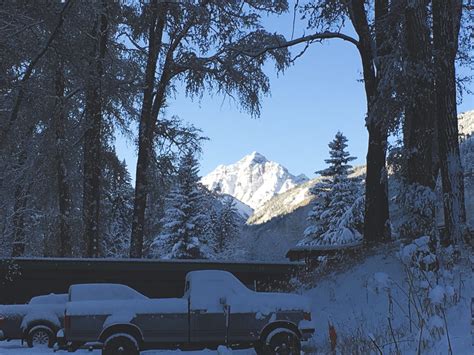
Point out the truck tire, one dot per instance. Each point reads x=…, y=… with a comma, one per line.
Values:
x=40, y=335
x=281, y=343
x=121, y=344
x=285, y=343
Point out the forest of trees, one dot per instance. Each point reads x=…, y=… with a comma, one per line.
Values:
x=74, y=73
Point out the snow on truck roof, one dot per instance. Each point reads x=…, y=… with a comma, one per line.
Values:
x=103, y=291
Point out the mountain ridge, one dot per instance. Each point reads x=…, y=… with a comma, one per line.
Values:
x=252, y=180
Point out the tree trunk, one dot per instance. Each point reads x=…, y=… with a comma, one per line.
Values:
x=419, y=110
x=92, y=137
x=64, y=196
x=146, y=132
x=21, y=199
x=376, y=221
x=446, y=24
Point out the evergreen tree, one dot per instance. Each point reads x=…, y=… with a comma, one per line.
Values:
x=116, y=206
x=333, y=220
x=228, y=226
x=185, y=218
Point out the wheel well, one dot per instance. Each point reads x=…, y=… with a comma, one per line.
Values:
x=41, y=323
x=279, y=324
x=130, y=329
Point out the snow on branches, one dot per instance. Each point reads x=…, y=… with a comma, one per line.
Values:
x=185, y=217
x=337, y=215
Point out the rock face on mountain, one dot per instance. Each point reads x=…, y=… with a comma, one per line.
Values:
x=253, y=180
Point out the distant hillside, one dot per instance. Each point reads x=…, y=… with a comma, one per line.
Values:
x=290, y=200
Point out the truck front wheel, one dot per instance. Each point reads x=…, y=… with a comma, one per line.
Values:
x=40, y=336
x=121, y=344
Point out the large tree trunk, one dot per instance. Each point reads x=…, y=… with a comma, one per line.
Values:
x=146, y=131
x=419, y=110
x=92, y=137
x=64, y=196
x=376, y=221
x=446, y=23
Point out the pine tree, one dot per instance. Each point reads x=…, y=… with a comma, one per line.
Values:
x=333, y=220
x=185, y=218
x=228, y=226
x=117, y=206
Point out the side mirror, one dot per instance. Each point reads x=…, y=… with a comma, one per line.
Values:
x=223, y=301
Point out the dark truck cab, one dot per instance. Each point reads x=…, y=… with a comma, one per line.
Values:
x=216, y=309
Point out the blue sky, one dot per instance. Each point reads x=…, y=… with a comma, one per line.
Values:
x=317, y=96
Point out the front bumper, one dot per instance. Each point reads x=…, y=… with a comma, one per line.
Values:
x=60, y=339
x=306, y=334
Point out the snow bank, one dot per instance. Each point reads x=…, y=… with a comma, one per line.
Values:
x=360, y=301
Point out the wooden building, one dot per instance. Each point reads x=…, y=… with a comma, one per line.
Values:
x=23, y=278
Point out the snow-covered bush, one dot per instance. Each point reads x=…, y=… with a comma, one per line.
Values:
x=432, y=287
x=418, y=205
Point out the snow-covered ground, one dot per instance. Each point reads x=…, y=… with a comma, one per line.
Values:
x=357, y=302
x=15, y=348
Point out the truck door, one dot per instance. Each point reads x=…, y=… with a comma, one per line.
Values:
x=207, y=314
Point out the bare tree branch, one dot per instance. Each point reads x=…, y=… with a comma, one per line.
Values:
x=304, y=39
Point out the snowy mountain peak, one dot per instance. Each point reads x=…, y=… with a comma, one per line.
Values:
x=466, y=123
x=253, y=179
x=255, y=158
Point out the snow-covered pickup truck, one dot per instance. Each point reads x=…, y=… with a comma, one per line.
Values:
x=36, y=322
x=216, y=309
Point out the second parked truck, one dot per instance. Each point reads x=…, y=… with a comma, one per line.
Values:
x=216, y=309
